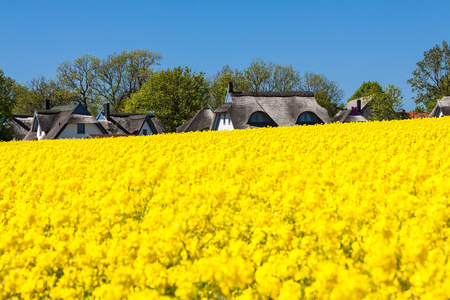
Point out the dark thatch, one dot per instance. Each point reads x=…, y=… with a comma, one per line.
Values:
x=201, y=121
x=20, y=126
x=131, y=123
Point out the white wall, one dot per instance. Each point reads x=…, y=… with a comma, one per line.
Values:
x=146, y=126
x=223, y=122
x=70, y=132
x=39, y=133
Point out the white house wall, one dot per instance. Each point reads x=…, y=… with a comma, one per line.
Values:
x=146, y=126
x=223, y=122
x=70, y=132
x=40, y=133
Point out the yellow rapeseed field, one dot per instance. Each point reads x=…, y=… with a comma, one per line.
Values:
x=340, y=211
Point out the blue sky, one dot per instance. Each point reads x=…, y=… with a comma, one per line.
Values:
x=347, y=41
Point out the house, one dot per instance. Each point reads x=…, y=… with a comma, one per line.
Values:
x=254, y=110
x=200, y=122
x=63, y=122
x=130, y=123
x=352, y=114
x=417, y=115
x=20, y=125
x=441, y=109
x=364, y=108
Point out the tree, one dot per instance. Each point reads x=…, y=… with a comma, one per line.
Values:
x=366, y=89
x=31, y=96
x=122, y=74
x=260, y=76
x=79, y=76
x=219, y=83
x=431, y=78
x=386, y=104
x=285, y=79
x=7, y=101
x=327, y=92
x=174, y=95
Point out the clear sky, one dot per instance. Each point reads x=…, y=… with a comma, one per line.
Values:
x=347, y=41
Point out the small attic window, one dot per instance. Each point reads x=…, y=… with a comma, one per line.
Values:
x=258, y=119
x=80, y=128
x=307, y=118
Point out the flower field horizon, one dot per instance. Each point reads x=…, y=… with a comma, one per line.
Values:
x=335, y=211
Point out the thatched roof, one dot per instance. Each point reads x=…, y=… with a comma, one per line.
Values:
x=131, y=123
x=444, y=105
x=53, y=121
x=201, y=121
x=348, y=115
x=283, y=108
x=20, y=126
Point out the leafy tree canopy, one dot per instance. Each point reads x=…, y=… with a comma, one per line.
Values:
x=31, y=96
x=174, y=95
x=7, y=101
x=327, y=92
x=368, y=88
x=431, y=78
x=386, y=104
x=111, y=79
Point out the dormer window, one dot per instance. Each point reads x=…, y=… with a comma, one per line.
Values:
x=308, y=118
x=258, y=119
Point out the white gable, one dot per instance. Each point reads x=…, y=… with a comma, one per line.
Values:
x=145, y=128
x=71, y=132
x=223, y=122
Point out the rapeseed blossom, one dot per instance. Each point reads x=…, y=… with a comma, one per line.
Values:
x=340, y=211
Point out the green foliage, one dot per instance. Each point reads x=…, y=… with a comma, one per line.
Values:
x=7, y=101
x=431, y=78
x=174, y=95
x=368, y=88
x=327, y=92
x=113, y=79
x=218, y=86
x=386, y=104
x=260, y=76
x=79, y=76
x=30, y=97
x=122, y=74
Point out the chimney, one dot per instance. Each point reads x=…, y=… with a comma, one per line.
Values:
x=46, y=104
x=106, y=110
x=230, y=87
x=358, y=104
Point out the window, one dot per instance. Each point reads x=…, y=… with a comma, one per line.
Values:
x=258, y=119
x=144, y=131
x=307, y=118
x=80, y=128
